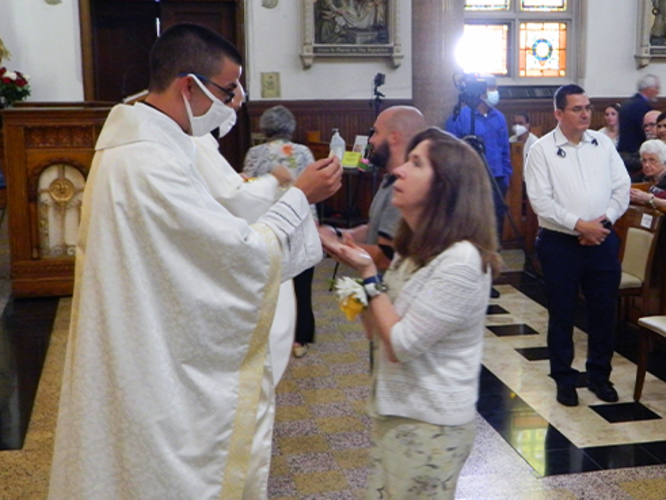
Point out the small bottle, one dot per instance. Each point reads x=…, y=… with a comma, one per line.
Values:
x=337, y=145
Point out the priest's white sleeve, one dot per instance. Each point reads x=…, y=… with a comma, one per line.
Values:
x=248, y=200
x=292, y=222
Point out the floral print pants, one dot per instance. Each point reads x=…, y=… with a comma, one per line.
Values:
x=413, y=460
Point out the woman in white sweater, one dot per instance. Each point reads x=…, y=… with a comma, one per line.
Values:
x=430, y=321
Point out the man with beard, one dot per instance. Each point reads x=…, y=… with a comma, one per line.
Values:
x=391, y=133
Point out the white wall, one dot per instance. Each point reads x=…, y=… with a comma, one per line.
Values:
x=44, y=42
x=610, y=67
x=275, y=37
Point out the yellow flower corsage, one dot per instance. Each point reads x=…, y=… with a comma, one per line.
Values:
x=351, y=296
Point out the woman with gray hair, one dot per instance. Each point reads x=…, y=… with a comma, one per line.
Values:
x=278, y=125
x=653, y=159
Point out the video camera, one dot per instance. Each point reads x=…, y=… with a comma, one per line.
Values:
x=471, y=87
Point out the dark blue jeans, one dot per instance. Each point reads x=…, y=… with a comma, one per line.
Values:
x=569, y=267
x=498, y=201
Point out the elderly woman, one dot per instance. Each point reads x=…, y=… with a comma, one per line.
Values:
x=428, y=318
x=278, y=125
x=653, y=159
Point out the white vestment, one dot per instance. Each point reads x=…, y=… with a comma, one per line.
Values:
x=250, y=200
x=173, y=300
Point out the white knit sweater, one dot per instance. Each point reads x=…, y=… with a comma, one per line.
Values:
x=438, y=340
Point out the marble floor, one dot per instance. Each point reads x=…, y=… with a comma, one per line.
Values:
x=527, y=446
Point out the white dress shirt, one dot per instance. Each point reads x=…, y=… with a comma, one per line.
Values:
x=566, y=182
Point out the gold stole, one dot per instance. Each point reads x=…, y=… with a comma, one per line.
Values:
x=251, y=376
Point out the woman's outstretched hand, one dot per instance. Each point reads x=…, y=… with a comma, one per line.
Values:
x=348, y=252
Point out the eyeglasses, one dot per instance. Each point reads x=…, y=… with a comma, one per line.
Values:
x=649, y=125
x=230, y=93
x=579, y=109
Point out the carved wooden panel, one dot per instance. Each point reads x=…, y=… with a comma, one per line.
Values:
x=352, y=118
x=61, y=136
x=42, y=144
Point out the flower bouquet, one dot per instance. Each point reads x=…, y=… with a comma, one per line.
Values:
x=351, y=296
x=13, y=87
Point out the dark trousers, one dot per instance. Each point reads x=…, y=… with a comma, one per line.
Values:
x=305, y=322
x=567, y=267
x=498, y=200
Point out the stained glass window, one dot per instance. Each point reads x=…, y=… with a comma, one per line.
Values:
x=487, y=4
x=484, y=49
x=524, y=42
x=544, y=6
x=542, y=50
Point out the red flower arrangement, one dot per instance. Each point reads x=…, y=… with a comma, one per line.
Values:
x=13, y=86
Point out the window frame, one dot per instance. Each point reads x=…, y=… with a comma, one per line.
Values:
x=513, y=17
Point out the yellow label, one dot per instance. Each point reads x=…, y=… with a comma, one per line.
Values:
x=351, y=159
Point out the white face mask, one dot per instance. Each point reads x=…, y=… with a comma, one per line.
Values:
x=218, y=115
x=519, y=129
x=227, y=124
x=493, y=98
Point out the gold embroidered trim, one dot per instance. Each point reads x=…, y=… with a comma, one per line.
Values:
x=251, y=376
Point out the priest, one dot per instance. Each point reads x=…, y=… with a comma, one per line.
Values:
x=173, y=296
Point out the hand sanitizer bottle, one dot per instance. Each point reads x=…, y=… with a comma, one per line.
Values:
x=337, y=145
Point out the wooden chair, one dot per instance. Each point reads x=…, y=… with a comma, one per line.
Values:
x=651, y=329
x=639, y=229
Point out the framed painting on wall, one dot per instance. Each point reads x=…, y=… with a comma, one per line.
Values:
x=651, y=32
x=351, y=28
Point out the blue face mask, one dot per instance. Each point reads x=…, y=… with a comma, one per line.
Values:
x=492, y=98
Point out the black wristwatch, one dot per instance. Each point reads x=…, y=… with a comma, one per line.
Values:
x=606, y=224
x=374, y=286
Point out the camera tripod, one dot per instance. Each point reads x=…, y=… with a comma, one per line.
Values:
x=478, y=145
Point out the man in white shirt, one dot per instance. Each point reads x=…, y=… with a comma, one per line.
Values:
x=173, y=295
x=578, y=187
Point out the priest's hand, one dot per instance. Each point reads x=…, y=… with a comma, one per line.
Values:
x=320, y=180
x=283, y=175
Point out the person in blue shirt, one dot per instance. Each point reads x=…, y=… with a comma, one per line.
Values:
x=489, y=126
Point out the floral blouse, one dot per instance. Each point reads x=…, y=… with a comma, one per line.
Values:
x=261, y=159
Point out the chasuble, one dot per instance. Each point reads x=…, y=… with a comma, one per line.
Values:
x=173, y=300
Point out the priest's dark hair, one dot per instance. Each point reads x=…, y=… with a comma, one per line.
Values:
x=188, y=48
x=459, y=204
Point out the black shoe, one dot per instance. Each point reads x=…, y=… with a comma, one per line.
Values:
x=567, y=395
x=494, y=294
x=604, y=390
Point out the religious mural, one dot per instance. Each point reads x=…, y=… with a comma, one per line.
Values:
x=351, y=22
x=658, y=30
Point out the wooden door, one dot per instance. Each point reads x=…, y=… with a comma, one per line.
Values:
x=116, y=37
